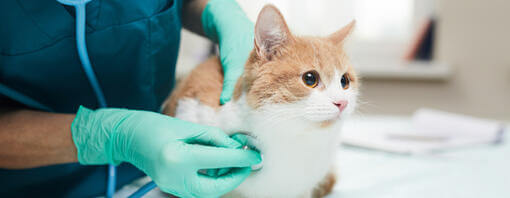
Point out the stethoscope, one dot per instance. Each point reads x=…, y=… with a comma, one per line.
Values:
x=80, y=6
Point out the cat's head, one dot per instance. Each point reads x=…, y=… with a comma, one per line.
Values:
x=306, y=78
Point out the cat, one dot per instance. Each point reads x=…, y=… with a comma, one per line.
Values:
x=292, y=96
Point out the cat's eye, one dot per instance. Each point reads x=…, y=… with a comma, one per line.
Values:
x=346, y=81
x=311, y=79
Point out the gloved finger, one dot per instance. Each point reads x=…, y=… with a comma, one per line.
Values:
x=218, y=186
x=208, y=157
x=246, y=140
x=228, y=89
x=223, y=171
x=240, y=138
x=210, y=172
x=215, y=137
x=233, y=68
x=214, y=172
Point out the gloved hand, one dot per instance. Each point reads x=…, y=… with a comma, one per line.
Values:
x=226, y=23
x=245, y=142
x=169, y=150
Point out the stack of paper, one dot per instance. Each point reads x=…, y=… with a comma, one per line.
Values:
x=427, y=131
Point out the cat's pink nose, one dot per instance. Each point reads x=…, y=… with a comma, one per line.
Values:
x=341, y=104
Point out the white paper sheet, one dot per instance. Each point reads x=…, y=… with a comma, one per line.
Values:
x=427, y=131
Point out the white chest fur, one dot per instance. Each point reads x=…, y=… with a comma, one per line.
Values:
x=296, y=154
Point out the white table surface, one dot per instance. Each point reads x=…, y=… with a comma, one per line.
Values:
x=475, y=172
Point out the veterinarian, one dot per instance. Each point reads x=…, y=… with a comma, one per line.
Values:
x=56, y=141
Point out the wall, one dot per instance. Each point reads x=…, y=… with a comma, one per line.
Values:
x=474, y=37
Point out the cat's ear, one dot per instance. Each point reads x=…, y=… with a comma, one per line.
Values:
x=339, y=36
x=271, y=32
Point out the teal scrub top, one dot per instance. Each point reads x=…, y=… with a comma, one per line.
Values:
x=133, y=47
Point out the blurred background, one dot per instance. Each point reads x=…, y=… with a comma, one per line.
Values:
x=450, y=55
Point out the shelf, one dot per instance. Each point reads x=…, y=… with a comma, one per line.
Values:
x=429, y=71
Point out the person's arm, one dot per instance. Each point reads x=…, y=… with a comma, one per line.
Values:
x=169, y=150
x=192, y=14
x=31, y=138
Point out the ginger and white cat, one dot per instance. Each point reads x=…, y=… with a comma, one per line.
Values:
x=291, y=98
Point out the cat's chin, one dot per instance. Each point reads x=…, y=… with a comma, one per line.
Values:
x=329, y=122
x=334, y=121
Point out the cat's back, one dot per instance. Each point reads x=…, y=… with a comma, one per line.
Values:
x=204, y=84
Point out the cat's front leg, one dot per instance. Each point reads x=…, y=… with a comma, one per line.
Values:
x=325, y=186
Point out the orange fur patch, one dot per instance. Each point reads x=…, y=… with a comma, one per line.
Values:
x=204, y=83
x=325, y=187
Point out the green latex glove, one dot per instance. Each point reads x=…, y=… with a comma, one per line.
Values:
x=169, y=150
x=244, y=141
x=226, y=23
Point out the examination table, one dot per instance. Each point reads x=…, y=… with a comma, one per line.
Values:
x=474, y=172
